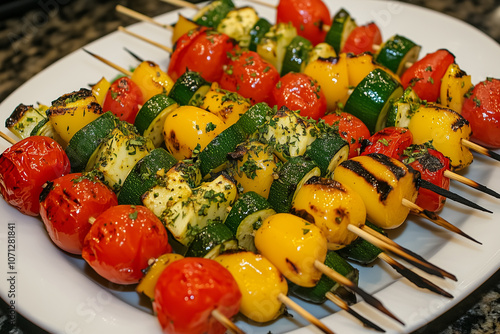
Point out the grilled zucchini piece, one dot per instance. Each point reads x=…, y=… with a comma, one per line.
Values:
x=24, y=119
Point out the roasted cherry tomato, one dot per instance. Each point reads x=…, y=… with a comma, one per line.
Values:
x=362, y=39
x=425, y=75
x=307, y=16
x=431, y=164
x=66, y=205
x=250, y=76
x=189, y=290
x=299, y=91
x=122, y=240
x=391, y=141
x=482, y=110
x=123, y=99
x=201, y=50
x=26, y=166
x=351, y=128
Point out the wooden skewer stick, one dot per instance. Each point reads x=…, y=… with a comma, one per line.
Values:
x=226, y=322
x=141, y=17
x=145, y=39
x=113, y=65
x=473, y=184
x=416, y=279
x=342, y=280
x=343, y=305
x=7, y=138
x=480, y=149
x=391, y=246
x=450, y=195
x=431, y=216
x=180, y=3
x=303, y=313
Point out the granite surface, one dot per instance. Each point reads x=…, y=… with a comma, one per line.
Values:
x=49, y=30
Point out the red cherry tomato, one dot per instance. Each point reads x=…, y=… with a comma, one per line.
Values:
x=299, y=91
x=431, y=164
x=482, y=110
x=351, y=128
x=425, y=75
x=123, y=99
x=26, y=166
x=67, y=204
x=187, y=292
x=122, y=240
x=307, y=16
x=391, y=141
x=250, y=76
x=362, y=39
x=201, y=50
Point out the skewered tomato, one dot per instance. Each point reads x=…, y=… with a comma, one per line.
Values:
x=123, y=99
x=122, y=240
x=307, y=16
x=187, y=293
x=431, y=164
x=201, y=50
x=391, y=141
x=362, y=39
x=425, y=75
x=298, y=91
x=351, y=128
x=482, y=110
x=26, y=166
x=251, y=76
x=67, y=204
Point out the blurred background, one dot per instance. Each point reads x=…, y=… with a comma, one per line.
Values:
x=36, y=33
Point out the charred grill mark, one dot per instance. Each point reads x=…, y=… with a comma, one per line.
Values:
x=398, y=171
x=304, y=214
x=173, y=140
x=292, y=266
x=17, y=114
x=459, y=123
x=324, y=183
x=383, y=188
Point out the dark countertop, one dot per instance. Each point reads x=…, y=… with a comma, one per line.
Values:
x=25, y=50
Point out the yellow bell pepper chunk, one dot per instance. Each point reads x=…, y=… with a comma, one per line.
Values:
x=189, y=128
x=332, y=207
x=382, y=186
x=445, y=128
x=260, y=283
x=148, y=282
x=255, y=169
x=151, y=80
x=183, y=26
x=100, y=89
x=292, y=244
x=73, y=111
x=228, y=106
x=332, y=75
x=454, y=85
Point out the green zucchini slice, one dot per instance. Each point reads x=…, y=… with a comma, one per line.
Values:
x=86, y=140
x=360, y=250
x=342, y=26
x=296, y=55
x=143, y=176
x=213, y=13
x=396, y=53
x=151, y=117
x=328, y=152
x=291, y=176
x=372, y=98
x=401, y=111
x=189, y=89
x=261, y=27
x=246, y=216
x=45, y=128
x=211, y=241
x=24, y=119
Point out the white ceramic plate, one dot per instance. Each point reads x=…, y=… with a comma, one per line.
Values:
x=61, y=294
